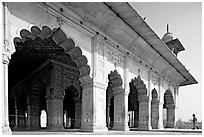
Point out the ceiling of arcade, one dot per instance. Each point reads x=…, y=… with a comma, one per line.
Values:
x=108, y=22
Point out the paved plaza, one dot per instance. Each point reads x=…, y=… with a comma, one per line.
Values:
x=152, y=132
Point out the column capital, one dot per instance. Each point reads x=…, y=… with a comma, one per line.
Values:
x=86, y=82
x=7, y=51
x=5, y=58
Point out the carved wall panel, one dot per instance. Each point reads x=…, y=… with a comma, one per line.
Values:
x=114, y=55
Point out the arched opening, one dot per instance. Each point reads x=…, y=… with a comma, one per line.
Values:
x=138, y=103
x=114, y=113
x=36, y=50
x=43, y=108
x=109, y=107
x=69, y=107
x=43, y=119
x=133, y=106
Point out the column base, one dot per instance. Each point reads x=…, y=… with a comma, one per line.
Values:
x=144, y=128
x=160, y=127
x=56, y=128
x=91, y=128
x=6, y=131
x=121, y=128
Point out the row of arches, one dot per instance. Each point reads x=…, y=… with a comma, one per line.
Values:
x=33, y=109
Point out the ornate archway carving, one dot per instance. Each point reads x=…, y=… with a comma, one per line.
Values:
x=52, y=43
x=51, y=48
x=142, y=90
x=115, y=81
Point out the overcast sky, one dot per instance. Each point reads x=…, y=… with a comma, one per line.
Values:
x=185, y=22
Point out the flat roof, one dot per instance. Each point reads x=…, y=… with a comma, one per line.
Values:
x=136, y=22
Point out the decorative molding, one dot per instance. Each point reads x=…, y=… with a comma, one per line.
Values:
x=86, y=82
x=8, y=48
x=100, y=85
x=155, y=79
x=114, y=56
x=5, y=59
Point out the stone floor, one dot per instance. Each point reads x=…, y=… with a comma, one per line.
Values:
x=152, y=132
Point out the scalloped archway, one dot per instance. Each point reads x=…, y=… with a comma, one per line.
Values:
x=35, y=47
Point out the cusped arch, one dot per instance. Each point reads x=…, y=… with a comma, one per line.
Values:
x=140, y=86
x=154, y=94
x=63, y=47
x=115, y=79
x=168, y=98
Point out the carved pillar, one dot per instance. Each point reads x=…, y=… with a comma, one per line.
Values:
x=77, y=123
x=126, y=93
x=5, y=116
x=176, y=92
x=161, y=102
x=35, y=116
x=87, y=104
x=154, y=111
x=55, y=96
x=143, y=112
x=93, y=106
x=170, y=116
x=144, y=106
x=149, y=98
x=8, y=50
x=94, y=91
x=120, y=110
x=55, y=112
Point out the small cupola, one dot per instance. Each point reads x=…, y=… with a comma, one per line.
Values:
x=168, y=36
x=173, y=44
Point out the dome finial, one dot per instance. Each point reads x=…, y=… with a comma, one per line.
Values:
x=167, y=27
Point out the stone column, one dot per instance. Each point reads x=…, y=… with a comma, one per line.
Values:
x=55, y=112
x=35, y=116
x=77, y=123
x=176, y=92
x=170, y=116
x=143, y=112
x=125, y=126
x=161, y=102
x=93, y=105
x=155, y=113
x=55, y=96
x=87, y=104
x=5, y=116
x=120, y=110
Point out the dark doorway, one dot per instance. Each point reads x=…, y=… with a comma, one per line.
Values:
x=133, y=106
x=109, y=108
x=69, y=108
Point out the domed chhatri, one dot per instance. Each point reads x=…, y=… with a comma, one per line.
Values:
x=168, y=36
